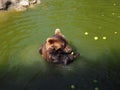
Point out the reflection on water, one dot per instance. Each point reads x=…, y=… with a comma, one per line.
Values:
x=91, y=27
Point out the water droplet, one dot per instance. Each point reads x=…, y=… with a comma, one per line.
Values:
x=72, y=53
x=96, y=88
x=118, y=16
x=86, y=33
x=114, y=4
x=95, y=38
x=102, y=15
x=104, y=38
x=95, y=81
x=113, y=13
x=72, y=86
x=115, y=32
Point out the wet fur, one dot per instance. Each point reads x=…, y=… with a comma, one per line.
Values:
x=56, y=49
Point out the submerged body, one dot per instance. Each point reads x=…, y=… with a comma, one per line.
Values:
x=56, y=49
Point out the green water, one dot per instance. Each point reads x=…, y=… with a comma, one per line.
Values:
x=81, y=21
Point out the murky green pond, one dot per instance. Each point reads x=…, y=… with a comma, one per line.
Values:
x=91, y=26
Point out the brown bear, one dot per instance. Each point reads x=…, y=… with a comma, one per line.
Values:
x=56, y=49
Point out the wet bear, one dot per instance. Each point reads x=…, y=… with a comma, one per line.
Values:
x=56, y=49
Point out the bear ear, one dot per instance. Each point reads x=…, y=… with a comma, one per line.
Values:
x=58, y=32
x=50, y=40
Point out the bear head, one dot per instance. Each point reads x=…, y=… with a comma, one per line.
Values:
x=58, y=42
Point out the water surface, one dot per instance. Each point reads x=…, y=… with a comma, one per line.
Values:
x=92, y=27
